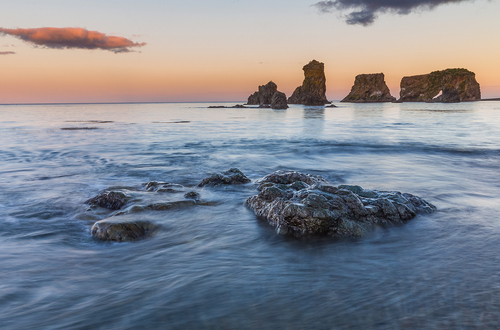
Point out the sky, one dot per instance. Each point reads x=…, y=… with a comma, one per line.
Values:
x=222, y=50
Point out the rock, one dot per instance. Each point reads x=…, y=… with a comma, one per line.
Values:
x=113, y=229
x=300, y=204
x=331, y=106
x=423, y=88
x=313, y=89
x=113, y=200
x=369, y=88
x=449, y=94
x=233, y=176
x=237, y=106
x=278, y=101
x=264, y=95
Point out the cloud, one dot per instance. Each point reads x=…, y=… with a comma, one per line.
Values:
x=364, y=12
x=7, y=53
x=62, y=38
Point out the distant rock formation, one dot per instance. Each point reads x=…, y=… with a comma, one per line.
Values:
x=278, y=101
x=424, y=88
x=313, y=89
x=369, y=88
x=264, y=95
x=449, y=95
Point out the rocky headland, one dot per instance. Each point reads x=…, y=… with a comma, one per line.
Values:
x=369, y=88
x=313, y=89
x=423, y=88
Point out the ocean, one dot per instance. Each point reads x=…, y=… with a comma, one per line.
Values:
x=218, y=266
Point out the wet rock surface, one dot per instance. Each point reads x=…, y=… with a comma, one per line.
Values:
x=232, y=176
x=302, y=205
x=313, y=89
x=117, y=230
x=113, y=200
x=369, y=88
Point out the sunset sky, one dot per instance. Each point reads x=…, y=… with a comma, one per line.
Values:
x=221, y=50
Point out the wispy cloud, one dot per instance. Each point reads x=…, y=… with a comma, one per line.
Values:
x=62, y=38
x=364, y=12
x=7, y=53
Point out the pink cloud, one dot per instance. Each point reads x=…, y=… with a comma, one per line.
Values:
x=62, y=38
x=7, y=53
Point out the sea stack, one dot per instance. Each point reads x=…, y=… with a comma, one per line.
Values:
x=267, y=95
x=313, y=89
x=369, y=88
x=423, y=88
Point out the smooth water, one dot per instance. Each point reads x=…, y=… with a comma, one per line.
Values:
x=221, y=267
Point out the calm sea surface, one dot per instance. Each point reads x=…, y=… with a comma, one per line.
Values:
x=219, y=266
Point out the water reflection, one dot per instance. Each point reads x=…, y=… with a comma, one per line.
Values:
x=314, y=120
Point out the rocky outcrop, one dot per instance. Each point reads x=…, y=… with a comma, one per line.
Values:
x=113, y=200
x=449, y=94
x=232, y=176
x=299, y=204
x=278, y=101
x=423, y=88
x=115, y=229
x=313, y=89
x=264, y=95
x=369, y=88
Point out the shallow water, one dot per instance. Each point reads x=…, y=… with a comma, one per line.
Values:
x=219, y=266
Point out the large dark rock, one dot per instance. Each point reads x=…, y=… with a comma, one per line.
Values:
x=233, y=176
x=313, y=89
x=449, y=95
x=113, y=200
x=300, y=204
x=278, y=101
x=423, y=88
x=369, y=88
x=264, y=95
x=118, y=230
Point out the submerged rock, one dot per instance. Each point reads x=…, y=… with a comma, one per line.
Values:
x=113, y=229
x=278, y=101
x=369, y=88
x=232, y=176
x=300, y=204
x=313, y=89
x=423, y=88
x=113, y=200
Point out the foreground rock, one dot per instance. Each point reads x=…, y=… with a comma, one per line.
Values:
x=233, y=176
x=278, y=101
x=300, y=205
x=313, y=89
x=113, y=200
x=369, y=88
x=424, y=88
x=114, y=229
x=264, y=95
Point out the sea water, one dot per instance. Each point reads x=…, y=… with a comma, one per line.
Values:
x=220, y=266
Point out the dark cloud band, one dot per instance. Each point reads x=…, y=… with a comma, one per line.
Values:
x=7, y=53
x=62, y=38
x=364, y=12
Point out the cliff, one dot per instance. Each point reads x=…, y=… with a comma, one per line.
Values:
x=424, y=88
x=369, y=88
x=313, y=89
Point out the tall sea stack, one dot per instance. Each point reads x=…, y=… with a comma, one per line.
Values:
x=369, y=88
x=313, y=89
x=423, y=88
